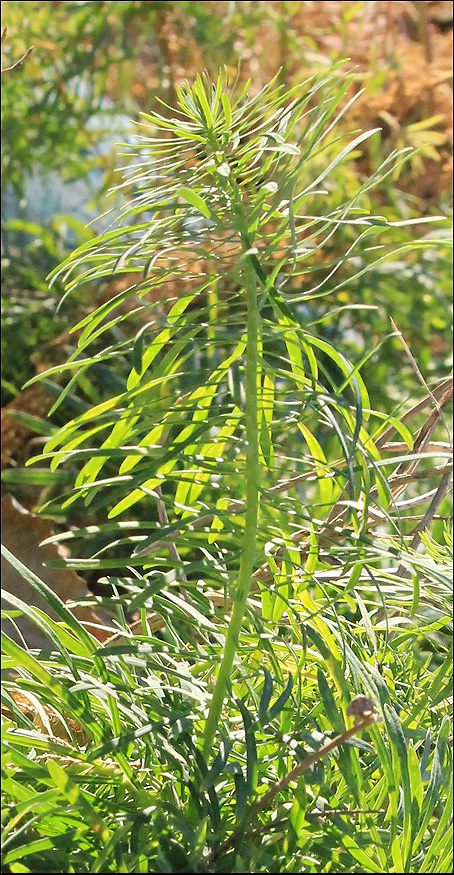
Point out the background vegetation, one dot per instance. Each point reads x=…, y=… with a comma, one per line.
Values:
x=105, y=766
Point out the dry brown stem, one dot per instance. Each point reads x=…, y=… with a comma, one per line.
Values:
x=20, y=61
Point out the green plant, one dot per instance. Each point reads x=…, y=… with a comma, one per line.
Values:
x=255, y=569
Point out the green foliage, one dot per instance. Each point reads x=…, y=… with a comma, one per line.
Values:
x=47, y=104
x=142, y=797
x=266, y=598
x=132, y=52
x=29, y=317
x=48, y=107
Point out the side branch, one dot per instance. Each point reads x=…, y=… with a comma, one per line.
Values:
x=20, y=61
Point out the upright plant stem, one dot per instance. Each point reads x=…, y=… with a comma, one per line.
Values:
x=241, y=592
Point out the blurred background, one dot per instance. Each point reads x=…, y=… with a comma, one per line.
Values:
x=96, y=65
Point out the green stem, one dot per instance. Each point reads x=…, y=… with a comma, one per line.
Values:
x=241, y=593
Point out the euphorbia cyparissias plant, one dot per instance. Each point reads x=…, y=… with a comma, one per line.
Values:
x=224, y=237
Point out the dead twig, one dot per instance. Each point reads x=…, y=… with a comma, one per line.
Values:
x=164, y=520
x=415, y=367
x=443, y=488
x=20, y=61
x=361, y=722
x=443, y=392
